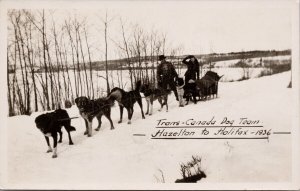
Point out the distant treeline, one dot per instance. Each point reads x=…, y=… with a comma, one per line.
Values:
x=215, y=57
x=204, y=58
x=121, y=64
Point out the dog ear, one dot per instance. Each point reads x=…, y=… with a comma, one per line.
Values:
x=76, y=100
x=86, y=99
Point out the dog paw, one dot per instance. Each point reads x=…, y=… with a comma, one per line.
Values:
x=119, y=121
x=71, y=143
x=129, y=122
x=85, y=133
x=146, y=113
x=54, y=156
x=143, y=117
x=150, y=113
x=89, y=135
x=59, y=141
x=112, y=128
x=49, y=150
x=97, y=129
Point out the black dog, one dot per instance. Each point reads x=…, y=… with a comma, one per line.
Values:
x=152, y=94
x=51, y=123
x=190, y=91
x=127, y=100
x=89, y=109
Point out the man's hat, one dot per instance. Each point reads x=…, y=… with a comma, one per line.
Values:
x=161, y=57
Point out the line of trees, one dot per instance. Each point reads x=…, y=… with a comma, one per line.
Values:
x=50, y=61
x=140, y=48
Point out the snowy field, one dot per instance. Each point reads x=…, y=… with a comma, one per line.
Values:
x=116, y=157
x=252, y=61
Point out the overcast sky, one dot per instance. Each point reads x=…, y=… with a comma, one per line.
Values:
x=218, y=26
x=199, y=26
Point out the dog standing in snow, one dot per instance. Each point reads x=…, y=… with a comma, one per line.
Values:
x=89, y=109
x=50, y=124
x=151, y=94
x=180, y=91
x=127, y=100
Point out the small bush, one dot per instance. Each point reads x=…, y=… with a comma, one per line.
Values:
x=275, y=67
x=191, y=171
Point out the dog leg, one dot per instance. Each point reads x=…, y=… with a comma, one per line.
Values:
x=121, y=114
x=151, y=108
x=161, y=108
x=107, y=115
x=70, y=139
x=166, y=102
x=48, y=143
x=60, y=136
x=86, y=127
x=187, y=99
x=99, y=122
x=147, y=100
x=161, y=104
x=90, y=127
x=130, y=113
x=195, y=99
x=141, y=106
x=54, y=145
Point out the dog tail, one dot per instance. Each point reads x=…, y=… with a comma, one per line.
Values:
x=70, y=128
x=110, y=101
x=138, y=86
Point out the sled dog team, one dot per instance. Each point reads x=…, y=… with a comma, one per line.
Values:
x=50, y=124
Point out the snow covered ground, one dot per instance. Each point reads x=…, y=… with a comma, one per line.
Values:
x=251, y=61
x=112, y=157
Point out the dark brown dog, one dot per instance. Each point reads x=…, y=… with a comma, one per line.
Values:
x=89, y=109
x=127, y=100
x=152, y=94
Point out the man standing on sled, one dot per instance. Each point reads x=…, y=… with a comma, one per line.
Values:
x=166, y=75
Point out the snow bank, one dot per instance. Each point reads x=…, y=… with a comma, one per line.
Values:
x=113, y=157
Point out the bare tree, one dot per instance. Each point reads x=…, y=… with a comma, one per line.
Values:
x=126, y=48
x=90, y=63
x=106, y=22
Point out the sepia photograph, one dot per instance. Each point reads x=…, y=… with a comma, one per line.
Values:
x=149, y=94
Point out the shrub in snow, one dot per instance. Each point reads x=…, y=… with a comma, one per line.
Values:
x=191, y=171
